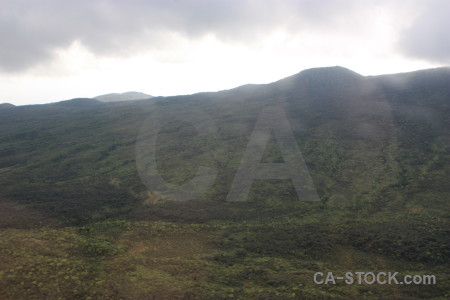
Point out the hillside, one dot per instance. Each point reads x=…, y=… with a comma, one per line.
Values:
x=376, y=148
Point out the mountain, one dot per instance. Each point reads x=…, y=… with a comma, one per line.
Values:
x=115, y=97
x=78, y=191
x=6, y=105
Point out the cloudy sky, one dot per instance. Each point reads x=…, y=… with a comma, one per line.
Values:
x=53, y=50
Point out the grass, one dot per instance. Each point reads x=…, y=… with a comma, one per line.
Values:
x=165, y=260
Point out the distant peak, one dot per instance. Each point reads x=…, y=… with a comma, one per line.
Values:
x=329, y=71
x=127, y=96
x=6, y=105
x=319, y=78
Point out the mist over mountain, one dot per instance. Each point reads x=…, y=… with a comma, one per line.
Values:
x=376, y=148
x=115, y=97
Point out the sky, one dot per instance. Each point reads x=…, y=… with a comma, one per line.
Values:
x=53, y=50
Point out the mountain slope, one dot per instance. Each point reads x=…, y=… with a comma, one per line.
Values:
x=352, y=131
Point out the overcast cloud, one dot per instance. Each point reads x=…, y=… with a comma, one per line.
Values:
x=429, y=36
x=31, y=31
x=58, y=49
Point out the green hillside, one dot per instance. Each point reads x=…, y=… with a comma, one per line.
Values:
x=77, y=221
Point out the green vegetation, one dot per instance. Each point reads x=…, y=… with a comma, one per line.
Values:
x=76, y=222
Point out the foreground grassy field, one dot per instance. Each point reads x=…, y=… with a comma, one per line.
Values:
x=216, y=260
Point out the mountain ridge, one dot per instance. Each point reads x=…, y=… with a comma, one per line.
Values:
x=321, y=75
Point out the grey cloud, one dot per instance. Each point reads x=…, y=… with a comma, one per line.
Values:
x=429, y=36
x=31, y=31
